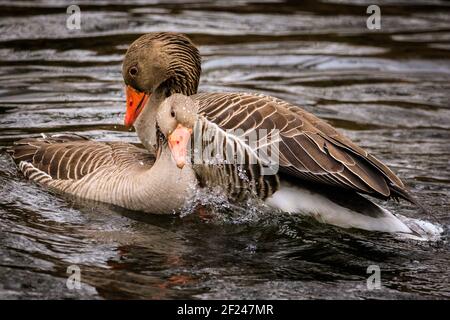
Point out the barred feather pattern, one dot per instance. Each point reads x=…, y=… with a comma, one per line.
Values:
x=111, y=172
x=226, y=161
x=72, y=157
x=184, y=66
x=309, y=148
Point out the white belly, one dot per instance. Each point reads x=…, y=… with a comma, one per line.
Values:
x=295, y=199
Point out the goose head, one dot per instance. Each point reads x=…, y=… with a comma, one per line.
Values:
x=175, y=121
x=159, y=64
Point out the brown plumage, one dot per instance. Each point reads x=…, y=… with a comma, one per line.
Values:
x=111, y=172
x=73, y=157
x=310, y=150
x=227, y=159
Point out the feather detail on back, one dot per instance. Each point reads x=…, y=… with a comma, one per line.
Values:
x=309, y=148
x=72, y=157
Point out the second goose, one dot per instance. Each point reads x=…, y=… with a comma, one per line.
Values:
x=111, y=172
x=187, y=131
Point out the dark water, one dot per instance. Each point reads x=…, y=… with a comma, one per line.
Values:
x=388, y=89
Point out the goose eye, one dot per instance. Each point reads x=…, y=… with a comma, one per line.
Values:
x=133, y=71
x=172, y=114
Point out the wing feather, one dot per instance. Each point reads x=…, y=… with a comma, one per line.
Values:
x=310, y=148
x=66, y=157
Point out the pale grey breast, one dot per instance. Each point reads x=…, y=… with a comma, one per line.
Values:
x=309, y=148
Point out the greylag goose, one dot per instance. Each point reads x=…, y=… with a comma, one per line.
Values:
x=184, y=128
x=158, y=65
x=113, y=172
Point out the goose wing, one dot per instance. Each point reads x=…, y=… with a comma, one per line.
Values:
x=309, y=148
x=71, y=157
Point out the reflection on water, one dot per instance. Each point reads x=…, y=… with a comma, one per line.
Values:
x=387, y=89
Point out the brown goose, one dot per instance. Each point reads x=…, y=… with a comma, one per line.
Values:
x=158, y=65
x=116, y=173
x=191, y=135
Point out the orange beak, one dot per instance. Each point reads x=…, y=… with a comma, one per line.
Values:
x=136, y=102
x=178, y=144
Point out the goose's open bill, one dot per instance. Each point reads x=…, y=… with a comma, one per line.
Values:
x=178, y=144
x=136, y=102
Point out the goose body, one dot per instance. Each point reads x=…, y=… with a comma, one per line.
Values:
x=309, y=149
x=311, y=152
x=117, y=173
x=214, y=166
x=356, y=212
